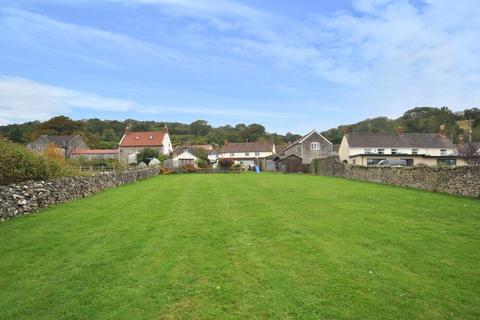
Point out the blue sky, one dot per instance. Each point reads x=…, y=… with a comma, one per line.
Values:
x=290, y=65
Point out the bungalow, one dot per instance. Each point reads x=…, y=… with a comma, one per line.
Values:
x=133, y=142
x=311, y=146
x=368, y=149
x=184, y=155
x=64, y=145
x=247, y=153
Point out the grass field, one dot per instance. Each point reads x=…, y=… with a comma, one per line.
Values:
x=245, y=246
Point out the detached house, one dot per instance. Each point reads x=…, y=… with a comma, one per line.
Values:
x=368, y=149
x=247, y=153
x=64, y=145
x=133, y=142
x=311, y=146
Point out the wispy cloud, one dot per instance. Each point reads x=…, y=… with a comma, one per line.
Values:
x=23, y=100
x=84, y=43
x=215, y=7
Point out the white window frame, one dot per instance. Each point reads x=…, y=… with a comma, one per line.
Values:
x=315, y=146
x=257, y=154
x=394, y=151
x=232, y=154
x=247, y=154
x=367, y=151
x=414, y=151
x=443, y=152
x=381, y=151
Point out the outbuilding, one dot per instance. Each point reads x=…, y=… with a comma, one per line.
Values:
x=290, y=163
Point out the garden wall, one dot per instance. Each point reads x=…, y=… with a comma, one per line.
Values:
x=26, y=197
x=463, y=181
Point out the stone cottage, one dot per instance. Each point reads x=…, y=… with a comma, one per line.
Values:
x=64, y=145
x=311, y=146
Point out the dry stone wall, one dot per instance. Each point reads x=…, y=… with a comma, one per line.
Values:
x=27, y=197
x=464, y=181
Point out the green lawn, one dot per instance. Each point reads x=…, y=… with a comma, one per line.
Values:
x=245, y=246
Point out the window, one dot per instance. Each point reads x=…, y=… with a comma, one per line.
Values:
x=257, y=154
x=373, y=162
x=232, y=154
x=315, y=146
x=394, y=151
x=367, y=151
x=446, y=162
x=381, y=151
x=354, y=161
x=443, y=152
x=414, y=151
x=247, y=154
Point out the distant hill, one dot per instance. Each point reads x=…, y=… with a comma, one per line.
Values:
x=421, y=120
x=107, y=133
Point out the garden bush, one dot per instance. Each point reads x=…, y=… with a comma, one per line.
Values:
x=18, y=164
x=188, y=168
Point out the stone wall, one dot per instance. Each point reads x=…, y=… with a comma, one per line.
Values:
x=463, y=180
x=27, y=197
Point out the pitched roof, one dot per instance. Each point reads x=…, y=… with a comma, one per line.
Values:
x=60, y=141
x=260, y=146
x=394, y=140
x=301, y=139
x=95, y=151
x=142, y=139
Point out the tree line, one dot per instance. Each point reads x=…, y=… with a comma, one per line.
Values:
x=106, y=134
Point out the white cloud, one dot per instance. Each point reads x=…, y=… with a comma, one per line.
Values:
x=23, y=99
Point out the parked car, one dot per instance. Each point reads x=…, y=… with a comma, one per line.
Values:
x=392, y=163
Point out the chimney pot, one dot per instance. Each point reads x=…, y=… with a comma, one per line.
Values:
x=441, y=131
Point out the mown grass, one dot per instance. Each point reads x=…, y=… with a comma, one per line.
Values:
x=245, y=246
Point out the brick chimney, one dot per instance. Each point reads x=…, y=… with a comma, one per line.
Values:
x=399, y=131
x=127, y=130
x=165, y=129
x=441, y=130
x=225, y=142
x=345, y=131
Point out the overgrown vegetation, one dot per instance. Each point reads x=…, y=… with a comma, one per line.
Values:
x=19, y=164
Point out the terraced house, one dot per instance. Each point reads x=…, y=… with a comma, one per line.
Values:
x=431, y=149
x=247, y=153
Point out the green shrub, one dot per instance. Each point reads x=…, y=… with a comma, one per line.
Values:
x=18, y=164
x=202, y=163
x=145, y=155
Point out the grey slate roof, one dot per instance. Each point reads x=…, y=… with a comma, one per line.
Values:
x=406, y=140
x=60, y=141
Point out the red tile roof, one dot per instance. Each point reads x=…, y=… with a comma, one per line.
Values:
x=95, y=151
x=142, y=139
